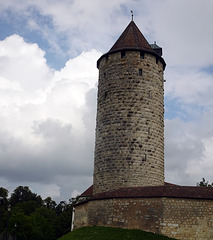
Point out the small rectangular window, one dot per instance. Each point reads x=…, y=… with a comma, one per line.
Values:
x=123, y=53
x=148, y=130
x=105, y=95
x=142, y=55
x=140, y=72
x=144, y=158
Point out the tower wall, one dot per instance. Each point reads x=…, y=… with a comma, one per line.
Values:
x=129, y=148
x=186, y=219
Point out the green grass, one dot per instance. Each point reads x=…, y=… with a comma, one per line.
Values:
x=107, y=233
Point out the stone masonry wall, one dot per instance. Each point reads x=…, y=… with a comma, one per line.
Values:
x=81, y=215
x=127, y=213
x=129, y=148
x=184, y=219
x=188, y=219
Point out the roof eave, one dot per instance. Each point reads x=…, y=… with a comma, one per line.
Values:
x=150, y=51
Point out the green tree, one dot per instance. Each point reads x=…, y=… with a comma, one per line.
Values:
x=33, y=218
x=49, y=203
x=63, y=219
x=20, y=225
x=43, y=228
x=3, y=192
x=24, y=194
x=33, y=227
x=3, y=198
x=203, y=183
x=48, y=214
x=27, y=207
x=3, y=210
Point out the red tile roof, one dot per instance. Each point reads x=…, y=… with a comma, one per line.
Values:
x=131, y=38
x=88, y=192
x=168, y=190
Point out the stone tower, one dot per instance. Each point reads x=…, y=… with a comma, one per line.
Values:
x=129, y=147
x=128, y=188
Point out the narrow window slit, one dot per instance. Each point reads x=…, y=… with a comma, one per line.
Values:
x=123, y=54
x=105, y=95
x=148, y=130
x=144, y=158
x=141, y=55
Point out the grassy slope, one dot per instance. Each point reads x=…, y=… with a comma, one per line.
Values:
x=106, y=233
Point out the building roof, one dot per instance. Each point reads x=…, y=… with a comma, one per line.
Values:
x=131, y=38
x=88, y=192
x=154, y=46
x=168, y=190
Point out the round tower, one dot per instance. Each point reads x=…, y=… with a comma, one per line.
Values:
x=129, y=147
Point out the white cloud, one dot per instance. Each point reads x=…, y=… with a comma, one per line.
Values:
x=190, y=85
x=44, y=138
x=183, y=28
x=48, y=117
x=188, y=150
x=23, y=67
x=181, y=146
x=75, y=193
x=81, y=25
x=49, y=190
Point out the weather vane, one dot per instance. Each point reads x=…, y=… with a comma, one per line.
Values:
x=132, y=14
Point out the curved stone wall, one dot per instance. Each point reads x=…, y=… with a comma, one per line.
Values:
x=179, y=218
x=129, y=148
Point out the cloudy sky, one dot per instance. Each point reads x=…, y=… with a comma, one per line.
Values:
x=48, y=87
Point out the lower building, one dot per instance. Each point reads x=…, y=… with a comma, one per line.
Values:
x=180, y=212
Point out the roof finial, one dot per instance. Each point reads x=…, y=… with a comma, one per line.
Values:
x=132, y=14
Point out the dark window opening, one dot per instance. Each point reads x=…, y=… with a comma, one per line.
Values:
x=105, y=95
x=142, y=55
x=148, y=130
x=144, y=158
x=140, y=72
x=123, y=53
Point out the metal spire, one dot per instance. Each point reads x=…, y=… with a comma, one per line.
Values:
x=132, y=14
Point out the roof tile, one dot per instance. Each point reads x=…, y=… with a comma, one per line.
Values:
x=131, y=38
x=168, y=190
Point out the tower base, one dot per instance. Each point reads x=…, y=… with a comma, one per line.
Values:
x=185, y=215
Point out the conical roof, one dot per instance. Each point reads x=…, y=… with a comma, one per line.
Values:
x=131, y=38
